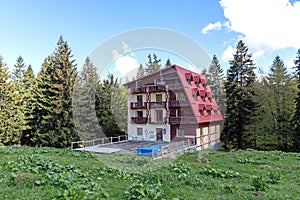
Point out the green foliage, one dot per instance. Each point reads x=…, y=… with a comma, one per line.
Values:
x=84, y=100
x=152, y=65
x=139, y=190
x=140, y=72
x=215, y=80
x=11, y=118
x=55, y=123
x=218, y=173
x=296, y=117
x=32, y=173
x=259, y=183
x=239, y=98
x=111, y=102
x=182, y=170
x=271, y=128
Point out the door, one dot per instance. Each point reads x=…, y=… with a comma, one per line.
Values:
x=159, y=136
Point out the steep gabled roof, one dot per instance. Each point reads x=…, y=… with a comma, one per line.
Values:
x=199, y=95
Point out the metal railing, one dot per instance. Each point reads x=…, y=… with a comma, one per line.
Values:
x=99, y=141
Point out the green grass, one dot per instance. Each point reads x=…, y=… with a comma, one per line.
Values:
x=47, y=173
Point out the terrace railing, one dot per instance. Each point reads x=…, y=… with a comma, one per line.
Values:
x=100, y=141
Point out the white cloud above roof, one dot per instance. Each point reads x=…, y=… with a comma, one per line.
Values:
x=266, y=24
x=212, y=26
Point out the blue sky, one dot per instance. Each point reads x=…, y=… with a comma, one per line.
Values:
x=31, y=28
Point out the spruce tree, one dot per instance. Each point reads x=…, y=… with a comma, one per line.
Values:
x=152, y=65
x=296, y=117
x=84, y=99
x=30, y=107
x=168, y=63
x=9, y=131
x=55, y=86
x=19, y=100
x=239, y=97
x=140, y=72
x=273, y=117
x=281, y=104
x=215, y=79
x=104, y=110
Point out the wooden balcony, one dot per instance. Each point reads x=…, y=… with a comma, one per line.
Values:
x=182, y=120
x=153, y=121
x=138, y=105
x=174, y=87
x=138, y=90
x=139, y=120
x=177, y=104
x=157, y=88
x=157, y=104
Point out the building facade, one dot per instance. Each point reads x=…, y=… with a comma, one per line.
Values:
x=173, y=104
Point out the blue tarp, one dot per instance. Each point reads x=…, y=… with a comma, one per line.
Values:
x=147, y=151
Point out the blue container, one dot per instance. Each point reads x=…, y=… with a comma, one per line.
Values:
x=147, y=151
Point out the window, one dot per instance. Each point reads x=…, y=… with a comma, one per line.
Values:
x=180, y=96
x=159, y=116
x=212, y=129
x=139, y=113
x=139, y=98
x=180, y=132
x=138, y=83
x=179, y=113
x=157, y=81
x=139, y=131
x=159, y=98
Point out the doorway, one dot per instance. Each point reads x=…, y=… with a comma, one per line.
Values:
x=159, y=136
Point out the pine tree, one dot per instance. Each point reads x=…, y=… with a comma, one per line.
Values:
x=104, y=106
x=168, y=63
x=19, y=101
x=204, y=72
x=84, y=99
x=239, y=97
x=273, y=117
x=152, y=66
x=296, y=117
x=55, y=86
x=30, y=107
x=9, y=130
x=282, y=104
x=140, y=72
x=215, y=79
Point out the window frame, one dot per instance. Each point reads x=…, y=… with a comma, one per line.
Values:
x=139, y=131
x=179, y=132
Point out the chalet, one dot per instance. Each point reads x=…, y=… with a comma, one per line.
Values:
x=173, y=104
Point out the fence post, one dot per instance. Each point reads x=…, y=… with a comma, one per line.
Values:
x=93, y=142
x=118, y=138
x=111, y=140
x=152, y=153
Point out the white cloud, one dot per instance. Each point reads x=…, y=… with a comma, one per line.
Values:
x=267, y=25
x=126, y=64
x=210, y=26
x=228, y=54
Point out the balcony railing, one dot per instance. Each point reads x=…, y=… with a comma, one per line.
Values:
x=157, y=88
x=158, y=121
x=139, y=120
x=176, y=86
x=182, y=120
x=138, y=90
x=138, y=105
x=178, y=104
x=157, y=104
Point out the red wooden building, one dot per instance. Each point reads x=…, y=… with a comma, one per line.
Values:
x=173, y=104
